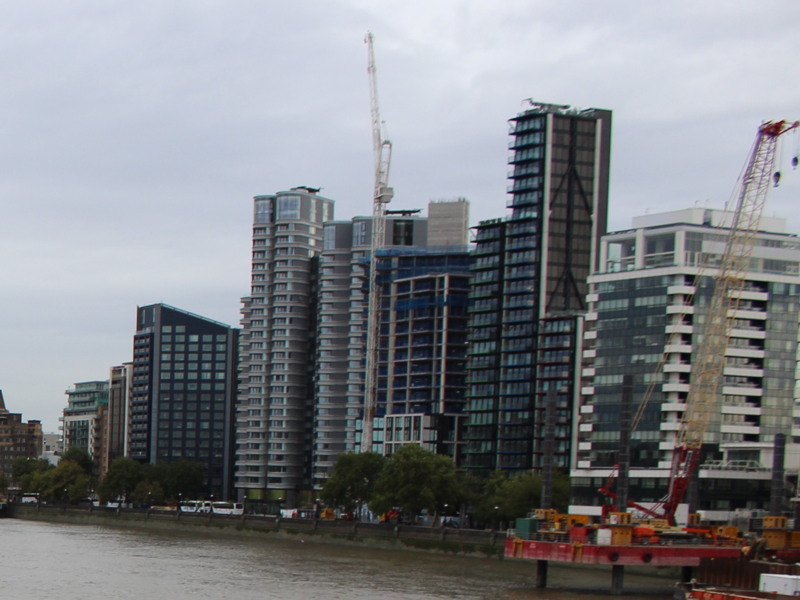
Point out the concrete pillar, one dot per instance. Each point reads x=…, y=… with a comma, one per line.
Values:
x=541, y=573
x=624, y=456
x=549, y=443
x=617, y=573
x=777, y=484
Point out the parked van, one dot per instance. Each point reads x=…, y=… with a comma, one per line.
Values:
x=195, y=506
x=227, y=508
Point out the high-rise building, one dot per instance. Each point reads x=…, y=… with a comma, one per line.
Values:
x=422, y=351
x=649, y=301
x=18, y=439
x=83, y=417
x=529, y=285
x=274, y=423
x=183, y=393
x=414, y=245
x=342, y=330
x=115, y=423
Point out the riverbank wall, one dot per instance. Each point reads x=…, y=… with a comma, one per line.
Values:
x=462, y=542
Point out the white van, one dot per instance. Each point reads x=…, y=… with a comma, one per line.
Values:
x=227, y=508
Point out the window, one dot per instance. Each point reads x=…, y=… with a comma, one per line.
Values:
x=288, y=207
x=329, y=237
x=359, y=233
x=263, y=208
x=402, y=233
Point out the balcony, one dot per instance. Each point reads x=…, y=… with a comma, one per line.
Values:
x=675, y=387
x=756, y=295
x=680, y=309
x=678, y=349
x=740, y=429
x=741, y=409
x=681, y=329
x=688, y=290
x=741, y=371
x=745, y=352
x=757, y=315
x=729, y=390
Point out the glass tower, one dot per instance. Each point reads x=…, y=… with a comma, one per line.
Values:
x=529, y=285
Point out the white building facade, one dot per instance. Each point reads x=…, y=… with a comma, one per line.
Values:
x=647, y=307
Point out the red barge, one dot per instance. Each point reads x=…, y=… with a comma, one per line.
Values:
x=688, y=555
x=572, y=539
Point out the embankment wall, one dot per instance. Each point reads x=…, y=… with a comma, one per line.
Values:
x=464, y=542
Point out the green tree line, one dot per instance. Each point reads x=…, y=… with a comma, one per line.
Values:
x=74, y=479
x=414, y=480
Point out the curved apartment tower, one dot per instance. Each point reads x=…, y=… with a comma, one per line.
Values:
x=274, y=425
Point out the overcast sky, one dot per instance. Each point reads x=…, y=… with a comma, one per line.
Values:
x=134, y=135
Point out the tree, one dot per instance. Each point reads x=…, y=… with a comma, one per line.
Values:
x=415, y=479
x=352, y=481
x=122, y=477
x=25, y=466
x=517, y=496
x=182, y=478
x=148, y=493
x=29, y=473
x=67, y=482
x=483, y=497
x=506, y=499
x=82, y=457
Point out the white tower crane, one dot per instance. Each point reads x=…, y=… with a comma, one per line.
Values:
x=382, y=195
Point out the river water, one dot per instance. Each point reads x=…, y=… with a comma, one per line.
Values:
x=82, y=562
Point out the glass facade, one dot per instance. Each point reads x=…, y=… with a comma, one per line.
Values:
x=529, y=283
x=184, y=385
x=646, y=319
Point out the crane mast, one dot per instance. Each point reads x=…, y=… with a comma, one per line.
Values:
x=709, y=360
x=382, y=195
